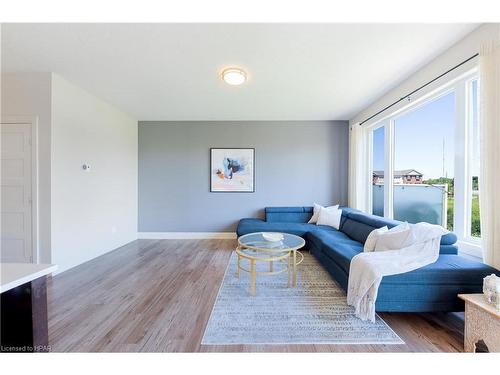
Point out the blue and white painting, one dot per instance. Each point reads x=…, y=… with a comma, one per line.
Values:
x=232, y=170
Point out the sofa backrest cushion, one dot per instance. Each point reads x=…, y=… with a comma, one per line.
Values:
x=297, y=214
x=288, y=214
x=354, y=223
x=358, y=226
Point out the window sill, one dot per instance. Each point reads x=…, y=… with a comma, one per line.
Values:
x=470, y=248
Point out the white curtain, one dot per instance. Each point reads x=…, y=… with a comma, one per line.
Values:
x=357, y=168
x=489, y=179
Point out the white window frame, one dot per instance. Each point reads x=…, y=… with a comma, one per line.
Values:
x=462, y=87
x=469, y=244
x=369, y=197
x=470, y=151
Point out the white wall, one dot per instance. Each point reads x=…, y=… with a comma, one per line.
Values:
x=96, y=211
x=462, y=50
x=29, y=94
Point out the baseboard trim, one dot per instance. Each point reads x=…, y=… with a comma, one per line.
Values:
x=186, y=235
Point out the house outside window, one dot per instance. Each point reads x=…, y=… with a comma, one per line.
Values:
x=407, y=176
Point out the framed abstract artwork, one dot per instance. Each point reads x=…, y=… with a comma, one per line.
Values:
x=232, y=170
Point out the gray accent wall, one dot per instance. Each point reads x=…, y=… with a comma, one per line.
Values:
x=296, y=163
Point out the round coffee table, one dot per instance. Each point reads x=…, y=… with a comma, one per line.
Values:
x=255, y=248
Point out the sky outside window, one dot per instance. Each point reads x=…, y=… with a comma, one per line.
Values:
x=422, y=138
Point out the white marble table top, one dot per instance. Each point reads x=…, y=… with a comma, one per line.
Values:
x=15, y=274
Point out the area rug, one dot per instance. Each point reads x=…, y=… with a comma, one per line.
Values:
x=314, y=312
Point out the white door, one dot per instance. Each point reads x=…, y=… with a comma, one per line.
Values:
x=16, y=208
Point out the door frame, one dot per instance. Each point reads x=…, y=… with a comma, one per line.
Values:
x=33, y=121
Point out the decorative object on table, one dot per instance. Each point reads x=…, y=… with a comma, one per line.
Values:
x=491, y=290
x=272, y=236
x=232, y=170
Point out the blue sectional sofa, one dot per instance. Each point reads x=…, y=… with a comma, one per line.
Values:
x=430, y=288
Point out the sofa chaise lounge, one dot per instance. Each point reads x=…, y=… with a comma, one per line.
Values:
x=430, y=288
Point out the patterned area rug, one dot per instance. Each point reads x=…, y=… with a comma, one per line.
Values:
x=314, y=312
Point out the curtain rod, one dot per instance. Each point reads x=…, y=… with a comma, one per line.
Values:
x=419, y=88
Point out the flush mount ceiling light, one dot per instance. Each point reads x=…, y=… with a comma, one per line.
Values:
x=234, y=76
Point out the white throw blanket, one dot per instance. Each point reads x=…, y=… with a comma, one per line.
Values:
x=367, y=269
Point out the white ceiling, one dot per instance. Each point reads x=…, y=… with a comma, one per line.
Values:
x=170, y=71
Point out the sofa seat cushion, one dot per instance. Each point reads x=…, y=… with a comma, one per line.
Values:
x=448, y=249
x=257, y=225
x=336, y=246
x=447, y=270
x=318, y=236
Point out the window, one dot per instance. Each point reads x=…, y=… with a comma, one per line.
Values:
x=424, y=160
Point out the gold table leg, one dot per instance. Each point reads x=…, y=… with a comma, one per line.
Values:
x=239, y=262
x=294, y=284
x=252, y=277
x=288, y=270
x=270, y=266
x=238, y=268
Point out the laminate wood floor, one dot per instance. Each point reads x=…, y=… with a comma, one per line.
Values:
x=157, y=296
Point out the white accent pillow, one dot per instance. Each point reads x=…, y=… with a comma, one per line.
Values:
x=330, y=216
x=316, y=209
x=372, y=238
x=395, y=238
